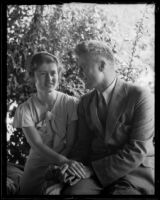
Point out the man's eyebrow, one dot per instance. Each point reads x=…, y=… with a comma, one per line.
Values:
x=81, y=65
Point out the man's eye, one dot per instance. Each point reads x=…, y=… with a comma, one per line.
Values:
x=81, y=72
x=53, y=74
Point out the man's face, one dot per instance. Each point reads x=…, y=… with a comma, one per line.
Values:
x=89, y=67
x=46, y=77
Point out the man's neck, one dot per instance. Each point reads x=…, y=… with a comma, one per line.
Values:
x=106, y=84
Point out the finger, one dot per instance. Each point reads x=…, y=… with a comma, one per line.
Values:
x=12, y=185
x=81, y=164
x=80, y=169
x=63, y=177
x=70, y=172
x=75, y=181
x=73, y=172
x=50, y=189
x=55, y=192
x=64, y=168
x=12, y=188
x=55, y=189
x=76, y=172
x=10, y=181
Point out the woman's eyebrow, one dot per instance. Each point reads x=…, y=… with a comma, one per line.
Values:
x=42, y=71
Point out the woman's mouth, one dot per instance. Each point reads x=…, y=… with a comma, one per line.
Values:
x=50, y=84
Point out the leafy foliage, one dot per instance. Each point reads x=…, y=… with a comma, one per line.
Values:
x=57, y=29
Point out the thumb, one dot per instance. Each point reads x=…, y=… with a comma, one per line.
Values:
x=64, y=168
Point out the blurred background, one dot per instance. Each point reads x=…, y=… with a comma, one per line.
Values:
x=127, y=28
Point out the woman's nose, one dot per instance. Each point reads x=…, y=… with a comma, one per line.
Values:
x=49, y=77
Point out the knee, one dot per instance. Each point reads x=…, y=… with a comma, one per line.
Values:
x=128, y=191
x=70, y=191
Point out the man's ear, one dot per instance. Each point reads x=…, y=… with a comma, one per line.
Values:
x=102, y=66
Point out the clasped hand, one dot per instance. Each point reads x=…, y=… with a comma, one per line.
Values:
x=73, y=171
x=70, y=172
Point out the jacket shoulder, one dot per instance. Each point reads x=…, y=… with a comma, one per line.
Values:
x=85, y=99
x=137, y=92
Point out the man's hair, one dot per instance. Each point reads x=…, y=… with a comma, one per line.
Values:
x=95, y=48
x=41, y=58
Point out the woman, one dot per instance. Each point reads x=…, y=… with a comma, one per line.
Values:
x=48, y=120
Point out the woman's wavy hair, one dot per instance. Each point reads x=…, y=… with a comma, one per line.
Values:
x=41, y=58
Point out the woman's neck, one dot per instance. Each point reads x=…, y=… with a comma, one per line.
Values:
x=46, y=98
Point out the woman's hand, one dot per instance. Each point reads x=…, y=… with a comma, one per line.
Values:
x=11, y=188
x=63, y=160
x=54, y=189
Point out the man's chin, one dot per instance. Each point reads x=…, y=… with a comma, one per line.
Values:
x=89, y=86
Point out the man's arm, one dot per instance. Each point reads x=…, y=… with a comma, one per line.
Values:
x=113, y=167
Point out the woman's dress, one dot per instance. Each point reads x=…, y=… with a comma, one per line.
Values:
x=52, y=127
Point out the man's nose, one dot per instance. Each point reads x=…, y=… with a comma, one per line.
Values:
x=81, y=73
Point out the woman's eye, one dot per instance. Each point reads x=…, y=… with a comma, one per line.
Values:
x=42, y=74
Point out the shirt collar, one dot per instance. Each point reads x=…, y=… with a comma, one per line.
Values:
x=107, y=92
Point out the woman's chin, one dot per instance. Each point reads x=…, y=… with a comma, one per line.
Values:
x=49, y=90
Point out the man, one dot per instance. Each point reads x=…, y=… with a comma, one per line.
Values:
x=115, y=129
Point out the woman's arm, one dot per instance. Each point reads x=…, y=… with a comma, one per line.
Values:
x=70, y=137
x=35, y=141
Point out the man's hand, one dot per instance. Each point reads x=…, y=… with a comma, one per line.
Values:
x=73, y=172
x=76, y=168
x=80, y=170
x=88, y=172
x=65, y=176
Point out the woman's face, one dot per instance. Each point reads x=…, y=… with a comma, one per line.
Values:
x=46, y=77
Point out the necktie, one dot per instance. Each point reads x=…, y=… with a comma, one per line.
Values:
x=102, y=109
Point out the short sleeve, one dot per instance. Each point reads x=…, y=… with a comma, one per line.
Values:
x=23, y=117
x=72, y=105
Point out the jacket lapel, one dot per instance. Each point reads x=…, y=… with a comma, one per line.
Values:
x=115, y=107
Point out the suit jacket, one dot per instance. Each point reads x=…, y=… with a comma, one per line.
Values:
x=125, y=148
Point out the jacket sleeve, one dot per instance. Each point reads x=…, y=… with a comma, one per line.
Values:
x=111, y=168
x=80, y=151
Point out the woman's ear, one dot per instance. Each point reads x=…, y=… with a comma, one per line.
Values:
x=32, y=80
x=102, y=66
